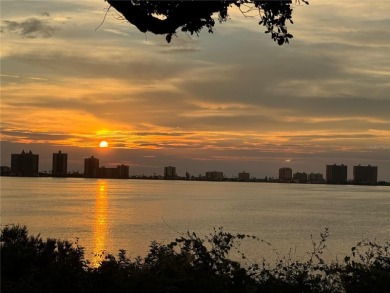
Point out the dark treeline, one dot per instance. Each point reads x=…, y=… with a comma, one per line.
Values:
x=188, y=264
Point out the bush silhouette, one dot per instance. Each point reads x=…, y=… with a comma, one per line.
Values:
x=188, y=264
x=30, y=264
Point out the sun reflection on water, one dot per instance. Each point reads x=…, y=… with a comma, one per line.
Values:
x=100, y=226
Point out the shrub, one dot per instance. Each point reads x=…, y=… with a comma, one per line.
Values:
x=29, y=264
x=188, y=264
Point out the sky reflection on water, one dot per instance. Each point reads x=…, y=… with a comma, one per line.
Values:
x=100, y=227
x=108, y=215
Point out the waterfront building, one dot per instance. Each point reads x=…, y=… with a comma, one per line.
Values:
x=315, y=178
x=170, y=172
x=24, y=164
x=243, y=176
x=105, y=172
x=365, y=174
x=5, y=171
x=214, y=175
x=300, y=177
x=60, y=164
x=119, y=172
x=336, y=173
x=91, y=167
x=123, y=171
x=285, y=174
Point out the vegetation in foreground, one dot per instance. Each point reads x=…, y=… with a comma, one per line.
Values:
x=188, y=264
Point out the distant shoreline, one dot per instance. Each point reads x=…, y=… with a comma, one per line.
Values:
x=203, y=179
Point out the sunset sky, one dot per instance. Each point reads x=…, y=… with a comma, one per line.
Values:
x=229, y=101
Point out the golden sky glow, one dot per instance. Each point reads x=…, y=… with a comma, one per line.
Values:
x=229, y=100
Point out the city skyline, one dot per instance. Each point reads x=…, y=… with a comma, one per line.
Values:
x=232, y=99
x=92, y=169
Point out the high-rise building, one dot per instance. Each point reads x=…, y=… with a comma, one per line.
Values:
x=5, y=171
x=316, y=178
x=336, y=173
x=170, y=172
x=300, y=177
x=243, y=176
x=24, y=164
x=285, y=174
x=368, y=174
x=91, y=167
x=60, y=164
x=121, y=171
x=107, y=172
x=214, y=175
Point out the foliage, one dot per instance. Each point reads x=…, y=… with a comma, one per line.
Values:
x=165, y=17
x=188, y=264
x=367, y=269
x=29, y=264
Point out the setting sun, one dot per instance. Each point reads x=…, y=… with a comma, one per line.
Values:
x=103, y=144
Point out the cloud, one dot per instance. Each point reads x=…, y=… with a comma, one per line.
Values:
x=116, y=32
x=38, y=78
x=30, y=28
x=180, y=49
x=9, y=76
x=28, y=134
x=231, y=96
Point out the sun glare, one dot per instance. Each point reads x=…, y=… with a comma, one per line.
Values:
x=103, y=144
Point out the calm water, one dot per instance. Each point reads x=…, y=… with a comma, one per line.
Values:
x=112, y=214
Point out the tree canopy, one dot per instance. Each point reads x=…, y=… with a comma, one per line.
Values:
x=166, y=17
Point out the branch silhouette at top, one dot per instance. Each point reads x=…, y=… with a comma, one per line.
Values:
x=166, y=17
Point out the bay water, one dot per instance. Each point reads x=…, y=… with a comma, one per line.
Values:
x=105, y=215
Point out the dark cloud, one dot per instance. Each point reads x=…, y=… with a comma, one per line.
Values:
x=35, y=136
x=102, y=63
x=30, y=28
x=302, y=138
x=160, y=133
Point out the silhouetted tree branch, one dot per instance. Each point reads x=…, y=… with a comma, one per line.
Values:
x=165, y=17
